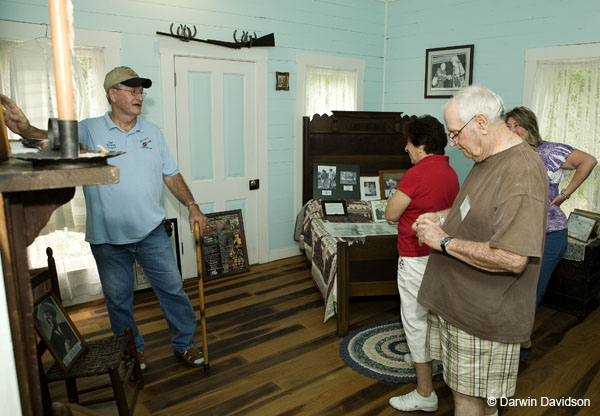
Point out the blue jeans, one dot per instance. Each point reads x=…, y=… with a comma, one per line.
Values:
x=554, y=250
x=155, y=255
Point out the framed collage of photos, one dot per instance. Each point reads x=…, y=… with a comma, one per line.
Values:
x=335, y=181
x=58, y=332
x=224, y=251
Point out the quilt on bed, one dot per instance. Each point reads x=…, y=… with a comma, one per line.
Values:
x=320, y=247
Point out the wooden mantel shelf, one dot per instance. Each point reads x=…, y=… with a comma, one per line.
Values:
x=18, y=175
x=28, y=197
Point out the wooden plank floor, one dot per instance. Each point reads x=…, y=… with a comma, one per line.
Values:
x=271, y=354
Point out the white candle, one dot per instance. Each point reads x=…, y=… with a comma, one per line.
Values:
x=62, y=41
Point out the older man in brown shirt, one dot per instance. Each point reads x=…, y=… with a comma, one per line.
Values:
x=481, y=277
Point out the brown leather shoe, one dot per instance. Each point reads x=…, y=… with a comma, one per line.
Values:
x=191, y=357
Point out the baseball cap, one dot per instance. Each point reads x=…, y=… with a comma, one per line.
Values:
x=126, y=76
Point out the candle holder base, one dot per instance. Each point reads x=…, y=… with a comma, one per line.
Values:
x=56, y=159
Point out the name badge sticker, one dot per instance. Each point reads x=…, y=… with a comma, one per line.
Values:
x=465, y=207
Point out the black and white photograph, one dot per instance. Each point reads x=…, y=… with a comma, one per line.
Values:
x=447, y=70
x=348, y=177
x=57, y=331
x=326, y=176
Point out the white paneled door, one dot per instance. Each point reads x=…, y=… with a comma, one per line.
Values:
x=217, y=141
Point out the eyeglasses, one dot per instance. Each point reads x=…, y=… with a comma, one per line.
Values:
x=513, y=126
x=133, y=92
x=452, y=137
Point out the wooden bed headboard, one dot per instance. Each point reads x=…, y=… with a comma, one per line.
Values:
x=370, y=139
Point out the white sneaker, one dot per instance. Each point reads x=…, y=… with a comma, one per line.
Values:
x=414, y=401
x=408, y=359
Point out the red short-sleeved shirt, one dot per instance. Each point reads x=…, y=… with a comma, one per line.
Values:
x=432, y=186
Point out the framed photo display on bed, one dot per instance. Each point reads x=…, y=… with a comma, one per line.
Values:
x=388, y=181
x=369, y=188
x=335, y=181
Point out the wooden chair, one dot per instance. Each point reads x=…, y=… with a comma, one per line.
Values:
x=103, y=357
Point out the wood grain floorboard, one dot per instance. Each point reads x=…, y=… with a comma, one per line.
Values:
x=272, y=354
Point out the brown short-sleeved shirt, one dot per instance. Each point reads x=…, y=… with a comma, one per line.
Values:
x=507, y=206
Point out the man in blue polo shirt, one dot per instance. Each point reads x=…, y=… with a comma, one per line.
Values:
x=125, y=221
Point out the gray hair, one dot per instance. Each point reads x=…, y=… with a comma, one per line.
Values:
x=477, y=99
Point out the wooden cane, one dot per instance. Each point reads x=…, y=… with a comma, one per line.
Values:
x=201, y=293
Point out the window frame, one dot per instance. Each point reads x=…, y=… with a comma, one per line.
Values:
x=302, y=61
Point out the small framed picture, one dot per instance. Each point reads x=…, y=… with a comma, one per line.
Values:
x=56, y=329
x=369, y=188
x=388, y=181
x=448, y=70
x=580, y=227
x=378, y=210
x=282, y=81
x=334, y=208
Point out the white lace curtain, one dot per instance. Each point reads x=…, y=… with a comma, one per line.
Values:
x=27, y=75
x=330, y=89
x=566, y=100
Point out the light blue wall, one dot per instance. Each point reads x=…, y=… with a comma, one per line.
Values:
x=500, y=31
x=348, y=28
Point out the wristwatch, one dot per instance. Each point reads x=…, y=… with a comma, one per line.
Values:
x=445, y=241
x=564, y=195
x=189, y=204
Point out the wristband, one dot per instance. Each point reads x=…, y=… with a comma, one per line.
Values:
x=189, y=204
x=564, y=195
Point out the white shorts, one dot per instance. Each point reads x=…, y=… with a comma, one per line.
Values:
x=414, y=316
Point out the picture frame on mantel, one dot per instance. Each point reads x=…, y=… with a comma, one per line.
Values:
x=447, y=70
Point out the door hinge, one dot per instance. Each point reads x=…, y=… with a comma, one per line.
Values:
x=182, y=248
x=175, y=79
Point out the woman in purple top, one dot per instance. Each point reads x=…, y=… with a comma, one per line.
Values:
x=559, y=160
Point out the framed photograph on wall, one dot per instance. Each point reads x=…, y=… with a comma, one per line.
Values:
x=388, y=181
x=447, y=70
x=282, y=81
x=378, y=209
x=369, y=188
x=57, y=331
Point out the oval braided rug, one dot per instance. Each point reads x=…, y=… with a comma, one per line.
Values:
x=378, y=350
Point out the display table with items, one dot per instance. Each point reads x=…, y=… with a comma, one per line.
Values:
x=351, y=256
x=345, y=156
x=575, y=284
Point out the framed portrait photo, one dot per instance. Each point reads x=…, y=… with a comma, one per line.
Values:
x=388, y=181
x=57, y=331
x=369, y=188
x=378, y=209
x=282, y=81
x=448, y=70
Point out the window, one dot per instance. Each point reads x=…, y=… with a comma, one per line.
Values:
x=26, y=74
x=566, y=100
x=330, y=89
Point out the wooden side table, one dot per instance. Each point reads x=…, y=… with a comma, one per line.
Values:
x=29, y=196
